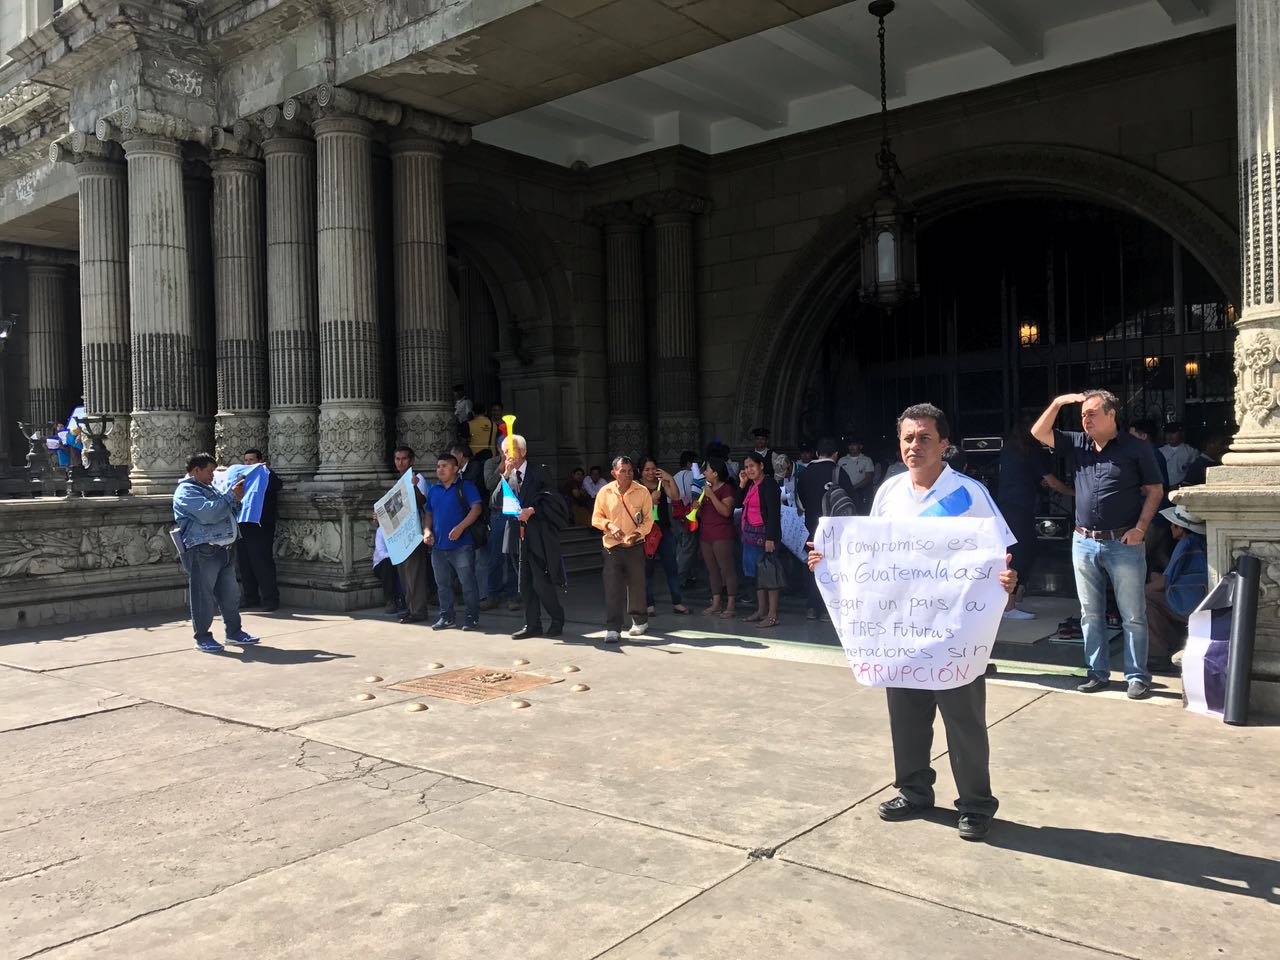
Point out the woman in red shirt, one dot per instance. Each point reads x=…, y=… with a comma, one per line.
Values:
x=715, y=536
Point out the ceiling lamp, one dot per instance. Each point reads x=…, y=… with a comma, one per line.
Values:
x=889, y=227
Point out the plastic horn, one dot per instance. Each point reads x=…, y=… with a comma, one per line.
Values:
x=692, y=517
x=509, y=421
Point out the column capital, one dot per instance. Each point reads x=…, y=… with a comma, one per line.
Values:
x=666, y=203
x=620, y=215
x=328, y=100
x=37, y=255
x=77, y=147
x=237, y=142
x=130, y=123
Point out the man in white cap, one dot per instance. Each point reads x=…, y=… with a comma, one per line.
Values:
x=1172, y=595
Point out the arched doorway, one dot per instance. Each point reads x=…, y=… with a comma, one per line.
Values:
x=814, y=296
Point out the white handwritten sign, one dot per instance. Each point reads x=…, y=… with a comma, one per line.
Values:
x=399, y=519
x=916, y=602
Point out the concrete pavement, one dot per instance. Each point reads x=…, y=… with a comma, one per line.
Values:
x=712, y=795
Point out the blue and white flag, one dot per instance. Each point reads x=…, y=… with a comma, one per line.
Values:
x=1204, y=662
x=510, y=502
x=399, y=519
x=255, y=488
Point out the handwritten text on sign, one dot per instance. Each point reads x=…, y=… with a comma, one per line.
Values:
x=916, y=602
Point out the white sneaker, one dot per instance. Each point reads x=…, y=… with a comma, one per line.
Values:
x=1016, y=614
x=638, y=629
x=612, y=636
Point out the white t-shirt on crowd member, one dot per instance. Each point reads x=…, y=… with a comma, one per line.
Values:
x=1179, y=458
x=857, y=468
x=960, y=496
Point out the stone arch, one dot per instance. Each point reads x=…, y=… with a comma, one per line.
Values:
x=825, y=273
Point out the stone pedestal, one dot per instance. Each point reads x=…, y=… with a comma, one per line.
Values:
x=424, y=419
x=47, y=360
x=104, y=297
x=625, y=341
x=239, y=265
x=351, y=417
x=292, y=310
x=161, y=333
x=1241, y=500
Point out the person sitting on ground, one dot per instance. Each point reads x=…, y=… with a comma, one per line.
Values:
x=1174, y=594
x=594, y=481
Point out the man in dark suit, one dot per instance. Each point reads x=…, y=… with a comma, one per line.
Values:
x=255, y=553
x=542, y=516
x=809, y=490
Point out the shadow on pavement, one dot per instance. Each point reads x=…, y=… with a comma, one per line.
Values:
x=261, y=654
x=1172, y=861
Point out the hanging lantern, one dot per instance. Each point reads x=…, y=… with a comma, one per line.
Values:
x=1028, y=334
x=1193, y=368
x=889, y=227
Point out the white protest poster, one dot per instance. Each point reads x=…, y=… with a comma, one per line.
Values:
x=399, y=519
x=915, y=601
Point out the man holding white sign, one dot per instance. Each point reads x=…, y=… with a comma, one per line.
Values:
x=916, y=592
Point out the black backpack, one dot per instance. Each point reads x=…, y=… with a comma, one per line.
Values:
x=836, y=501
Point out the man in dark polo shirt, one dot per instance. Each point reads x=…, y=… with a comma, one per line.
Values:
x=1118, y=490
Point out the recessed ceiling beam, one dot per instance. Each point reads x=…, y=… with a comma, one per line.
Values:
x=720, y=92
x=810, y=44
x=1016, y=43
x=1180, y=11
x=612, y=120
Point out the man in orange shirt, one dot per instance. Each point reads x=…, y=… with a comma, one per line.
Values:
x=624, y=515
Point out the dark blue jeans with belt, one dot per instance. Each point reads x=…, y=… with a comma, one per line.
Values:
x=213, y=588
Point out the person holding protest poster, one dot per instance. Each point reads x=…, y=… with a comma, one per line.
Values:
x=255, y=553
x=206, y=531
x=930, y=491
x=624, y=515
x=541, y=517
x=413, y=569
x=1118, y=491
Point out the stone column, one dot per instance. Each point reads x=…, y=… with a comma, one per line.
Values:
x=676, y=324
x=292, y=311
x=239, y=268
x=424, y=419
x=160, y=315
x=480, y=336
x=626, y=345
x=47, y=360
x=197, y=204
x=1241, y=500
x=351, y=418
x=104, y=294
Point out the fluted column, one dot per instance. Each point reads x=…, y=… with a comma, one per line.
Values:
x=197, y=200
x=351, y=418
x=676, y=324
x=292, y=310
x=239, y=267
x=160, y=316
x=424, y=419
x=104, y=296
x=47, y=360
x=480, y=326
x=1257, y=362
x=626, y=344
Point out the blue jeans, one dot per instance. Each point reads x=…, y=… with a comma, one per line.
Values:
x=462, y=561
x=502, y=571
x=213, y=588
x=666, y=556
x=1096, y=561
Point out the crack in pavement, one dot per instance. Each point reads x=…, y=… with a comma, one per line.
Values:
x=47, y=866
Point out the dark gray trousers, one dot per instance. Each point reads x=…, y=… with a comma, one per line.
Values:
x=413, y=579
x=624, y=585
x=964, y=715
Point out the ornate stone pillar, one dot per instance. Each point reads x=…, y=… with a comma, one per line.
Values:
x=160, y=315
x=47, y=361
x=292, y=311
x=626, y=345
x=104, y=284
x=1241, y=500
x=351, y=421
x=676, y=323
x=424, y=419
x=197, y=191
x=239, y=268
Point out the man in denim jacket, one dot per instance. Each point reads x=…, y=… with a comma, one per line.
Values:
x=207, y=522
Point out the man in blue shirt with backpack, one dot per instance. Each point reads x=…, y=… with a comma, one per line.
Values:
x=453, y=507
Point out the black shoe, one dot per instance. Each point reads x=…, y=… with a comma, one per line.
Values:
x=900, y=808
x=1164, y=666
x=555, y=629
x=1138, y=690
x=974, y=826
x=1093, y=685
x=443, y=624
x=524, y=633
x=410, y=618
x=270, y=607
x=470, y=627
x=489, y=604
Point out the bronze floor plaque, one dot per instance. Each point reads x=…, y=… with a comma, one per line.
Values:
x=474, y=684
